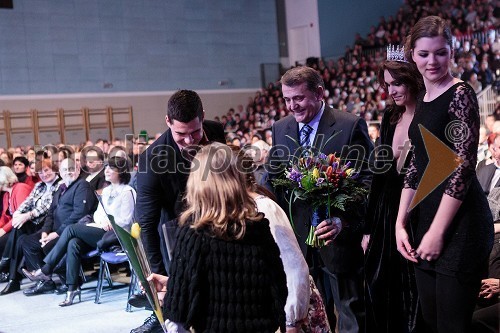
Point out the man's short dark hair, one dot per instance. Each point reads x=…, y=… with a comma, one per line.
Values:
x=184, y=106
x=298, y=75
x=86, y=150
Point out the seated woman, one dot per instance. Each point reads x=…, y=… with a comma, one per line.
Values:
x=21, y=168
x=226, y=273
x=118, y=200
x=15, y=193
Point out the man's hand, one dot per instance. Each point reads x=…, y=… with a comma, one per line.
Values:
x=44, y=240
x=329, y=229
x=489, y=288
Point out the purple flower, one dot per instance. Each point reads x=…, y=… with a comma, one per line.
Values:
x=320, y=181
x=308, y=162
x=354, y=175
x=295, y=175
x=322, y=156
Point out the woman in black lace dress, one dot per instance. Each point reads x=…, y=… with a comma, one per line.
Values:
x=390, y=290
x=454, y=227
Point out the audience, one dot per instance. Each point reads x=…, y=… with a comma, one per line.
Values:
x=73, y=200
x=76, y=239
x=350, y=85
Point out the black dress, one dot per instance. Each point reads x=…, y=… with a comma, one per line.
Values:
x=390, y=290
x=453, y=118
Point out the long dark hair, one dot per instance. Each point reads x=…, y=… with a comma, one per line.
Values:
x=406, y=73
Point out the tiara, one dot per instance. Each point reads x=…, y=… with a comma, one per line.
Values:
x=396, y=53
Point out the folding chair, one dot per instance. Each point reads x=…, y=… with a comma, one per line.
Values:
x=104, y=273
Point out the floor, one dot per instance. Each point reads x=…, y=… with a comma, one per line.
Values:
x=42, y=314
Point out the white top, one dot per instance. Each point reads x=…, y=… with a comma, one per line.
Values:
x=296, y=269
x=119, y=201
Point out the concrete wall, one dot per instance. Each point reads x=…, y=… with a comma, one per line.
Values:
x=75, y=46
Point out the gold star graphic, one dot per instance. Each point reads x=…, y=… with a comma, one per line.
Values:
x=442, y=162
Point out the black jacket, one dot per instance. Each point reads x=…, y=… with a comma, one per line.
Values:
x=351, y=134
x=77, y=201
x=161, y=181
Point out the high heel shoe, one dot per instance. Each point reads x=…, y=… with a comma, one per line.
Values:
x=70, y=297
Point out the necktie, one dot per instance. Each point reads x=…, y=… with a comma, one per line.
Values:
x=62, y=188
x=305, y=133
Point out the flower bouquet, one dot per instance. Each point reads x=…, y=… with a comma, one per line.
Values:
x=323, y=181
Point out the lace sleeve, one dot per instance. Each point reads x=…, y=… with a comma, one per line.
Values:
x=464, y=120
x=411, y=179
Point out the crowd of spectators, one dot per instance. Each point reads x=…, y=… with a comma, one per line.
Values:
x=351, y=80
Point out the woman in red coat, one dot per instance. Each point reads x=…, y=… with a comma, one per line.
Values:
x=15, y=194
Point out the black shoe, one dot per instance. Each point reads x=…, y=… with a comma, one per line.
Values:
x=138, y=300
x=62, y=289
x=42, y=287
x=4, y=277
x=37, y=275
x=11, y=287
x=151, y=325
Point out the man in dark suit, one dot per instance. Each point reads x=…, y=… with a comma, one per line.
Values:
x=336, y=267
x=92, y=169
x=73, y=200
x=489, y=174
x=162, y=176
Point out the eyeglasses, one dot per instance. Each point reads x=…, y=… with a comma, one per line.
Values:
x=67, y=169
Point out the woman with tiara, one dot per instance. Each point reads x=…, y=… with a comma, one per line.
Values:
x=390, y=291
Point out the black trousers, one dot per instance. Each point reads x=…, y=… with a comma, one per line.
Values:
x=341, y=291
x=33, y=250
x=447, y=302
x=13, y=249
x=3, y=243
x=485, y=320
x=75, y=240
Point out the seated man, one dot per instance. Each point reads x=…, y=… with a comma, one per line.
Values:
x=489, y=174
x=486, y=316
x=73, y=200
x=92, y=169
